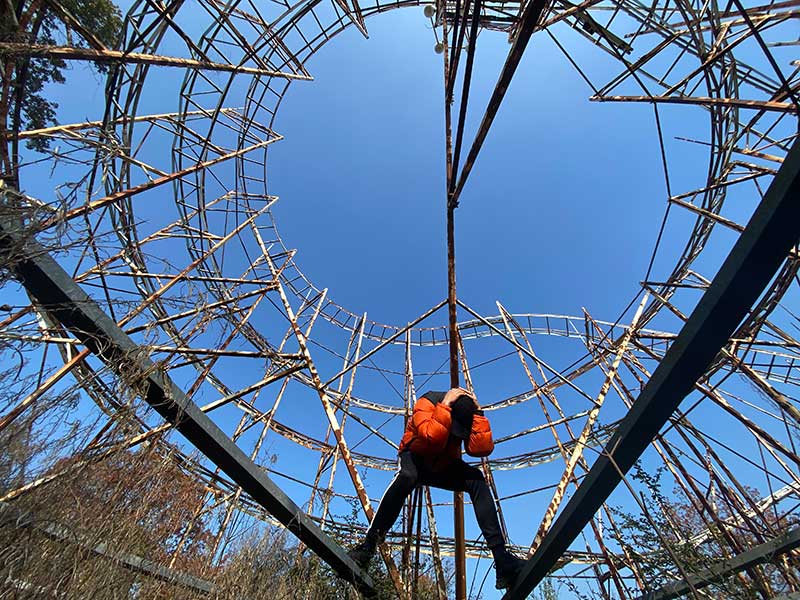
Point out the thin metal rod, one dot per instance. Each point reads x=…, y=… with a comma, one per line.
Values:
x=116, y=56
x=529, y=19
x=458, y=497
x=753, y=261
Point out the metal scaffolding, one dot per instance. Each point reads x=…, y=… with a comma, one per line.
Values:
x=202, y=310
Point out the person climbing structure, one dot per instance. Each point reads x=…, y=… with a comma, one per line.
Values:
x=429, y=454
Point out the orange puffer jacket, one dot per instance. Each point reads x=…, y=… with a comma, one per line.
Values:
x=428, y=431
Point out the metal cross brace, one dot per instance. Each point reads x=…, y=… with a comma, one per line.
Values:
x=57, y=293
x=764, y=244
x=757, y=555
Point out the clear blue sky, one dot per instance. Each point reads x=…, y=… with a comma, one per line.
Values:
x=561, y=211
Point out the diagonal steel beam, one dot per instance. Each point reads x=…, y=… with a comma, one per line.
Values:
x=766, y=241
x=755, y=556
x=56, y=291
x=12, y=516
x=530, y=18
x=117, y=56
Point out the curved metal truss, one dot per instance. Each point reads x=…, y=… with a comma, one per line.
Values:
x=317, y=394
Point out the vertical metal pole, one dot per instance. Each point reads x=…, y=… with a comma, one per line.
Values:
x=458, y=497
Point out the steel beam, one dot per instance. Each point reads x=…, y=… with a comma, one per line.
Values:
x=11, y=516
x=57, y=293
x=528, y=21
x=755, y=556
x=765, y=243
x=117, y=56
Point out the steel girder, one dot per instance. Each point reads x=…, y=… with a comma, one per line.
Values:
x=757, y=555
x=59, y=295
x=765, y=243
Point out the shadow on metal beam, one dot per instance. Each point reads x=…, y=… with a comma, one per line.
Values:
x=56, y=291
x=764, y=244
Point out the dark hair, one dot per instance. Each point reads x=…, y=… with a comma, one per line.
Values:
x=462, y=411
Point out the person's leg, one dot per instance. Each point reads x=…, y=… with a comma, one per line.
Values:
x=388, y=510
x=461, y=477
x=465, y=478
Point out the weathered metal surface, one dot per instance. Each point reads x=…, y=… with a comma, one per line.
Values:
x=55, y=290
x=765, y=243
x=757, y=555
x=77, y=53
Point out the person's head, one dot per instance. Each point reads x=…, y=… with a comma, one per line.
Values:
x=462, y=411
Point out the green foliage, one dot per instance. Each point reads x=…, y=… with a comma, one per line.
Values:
x=101, y=17
x=24, y=104
x=547, y=590
x=661, y=544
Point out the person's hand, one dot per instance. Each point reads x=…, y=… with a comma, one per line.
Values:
x=453, y=394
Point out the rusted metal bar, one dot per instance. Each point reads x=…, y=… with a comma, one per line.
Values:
x=415, y=576
x=451, y=69
x=354, y=14
x=768, y=440
x=577, y=452
x=55, y=290
x=323, y=458
x=155, y=431
x=462, y=111
x=232, y=502
x=564, y=449
x=707, y=214
x=709, y=102
x=124, y=194
x=166, y=14
x=458, y=497
x=510, y=338
x=485, y=465
x=441, y=583
x=528, y=21
x=263, y=283
x=43, y=388
x=685, y=481
x=757, y=254
x=327, y=406
x=201, y=308
x=386, y=342
x=117, y=56
x=757, y=555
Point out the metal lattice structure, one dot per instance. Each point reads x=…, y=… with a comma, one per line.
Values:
x=212, y=294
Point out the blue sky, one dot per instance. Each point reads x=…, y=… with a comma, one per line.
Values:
x=560, y=213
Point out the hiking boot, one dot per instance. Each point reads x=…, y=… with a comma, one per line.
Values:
x=507, y=567
x=362, y=553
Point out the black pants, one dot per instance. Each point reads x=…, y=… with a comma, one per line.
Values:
x=458, y=477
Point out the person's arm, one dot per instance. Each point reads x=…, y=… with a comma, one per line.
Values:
x=480, y=442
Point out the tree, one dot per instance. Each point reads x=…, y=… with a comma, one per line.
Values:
x=23, y=104
x=665, y=538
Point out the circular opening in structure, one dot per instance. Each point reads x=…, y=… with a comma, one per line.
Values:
x=559, y=213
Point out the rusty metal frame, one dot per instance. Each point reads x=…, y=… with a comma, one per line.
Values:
x=56, y=292
x=753, y=261
x=251, y=40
